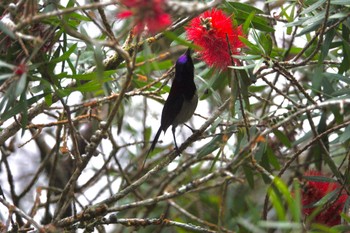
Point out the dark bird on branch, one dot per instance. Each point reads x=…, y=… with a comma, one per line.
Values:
x=182, y=100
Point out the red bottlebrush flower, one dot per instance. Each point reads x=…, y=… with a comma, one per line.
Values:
x=148, y=14
x=315, y=191
x=211, y=31
x=21, y=69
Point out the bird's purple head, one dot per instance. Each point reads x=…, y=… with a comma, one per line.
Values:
x=182, y=59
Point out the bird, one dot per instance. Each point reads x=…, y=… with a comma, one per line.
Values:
x=182, y=100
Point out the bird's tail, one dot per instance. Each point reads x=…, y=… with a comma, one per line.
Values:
x=155, y=140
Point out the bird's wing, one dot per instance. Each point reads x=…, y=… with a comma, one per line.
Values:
x=172, y=108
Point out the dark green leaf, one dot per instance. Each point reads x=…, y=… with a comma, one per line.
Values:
x=259, y=154
x=242, y=11
x=317, y=78
x=346, y=135
x=24, y=111
x=66, y=55
x=334, y=76
x=18, y=108
x=282, y=138
x=272, y=158
x=345, y=65
x=266, y=42
x=249, y=175
x=210, y=146
x=254, y=48
x=313, y=7
x=254, y=88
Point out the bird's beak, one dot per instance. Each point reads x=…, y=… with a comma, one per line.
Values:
x=188, y=52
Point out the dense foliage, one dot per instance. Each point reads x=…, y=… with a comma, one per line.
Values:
x=81, y=91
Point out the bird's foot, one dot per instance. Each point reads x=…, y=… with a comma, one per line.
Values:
x=177, y=150
x=193, y=130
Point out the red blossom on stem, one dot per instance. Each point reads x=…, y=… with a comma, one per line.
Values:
x=315, y=191
x=211, y=31
x=148, y=14
x=21, y=69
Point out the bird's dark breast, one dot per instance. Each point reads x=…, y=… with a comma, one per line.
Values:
x=187, y=109
x=180, y=105
x=189, y=91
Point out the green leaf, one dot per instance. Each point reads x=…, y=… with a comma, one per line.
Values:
x=21, y=85
x=319, y=179
x=280, y=191
x=208, y=87
x=210, y=146
x=259, y=154
x=266, y=42
x=100, y=68
x=282, y=138
x=313, y=7
x=327, y=198
x=247, y=57
x=216, y=142
x=248, y=21
x=251, y=66
x=298, y=22
x=94, y=85
x=317, y=77
x=282, y=225
x=272, y=158
x=339, y=15
x=245, y=82
x=277, y=203
x=243, y=11
x=20, y=106
x=334, y=76
x=312, y=24
x=175, y=37
x=66, y=55
x=346, y=135
x=90, y=76
x=255, y=88
x=296, y=208
x=254, y=48
x=340, y=2
x=249, y=175
x=78, y=18
x=345, y=64
x=248, y=226
x=24, y=111
x=244, y=7
x=217, y=156
x=48, y=99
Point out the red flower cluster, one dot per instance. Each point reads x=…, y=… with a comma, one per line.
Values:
x=316, y=190
x=148, y=14
x=211, y=31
